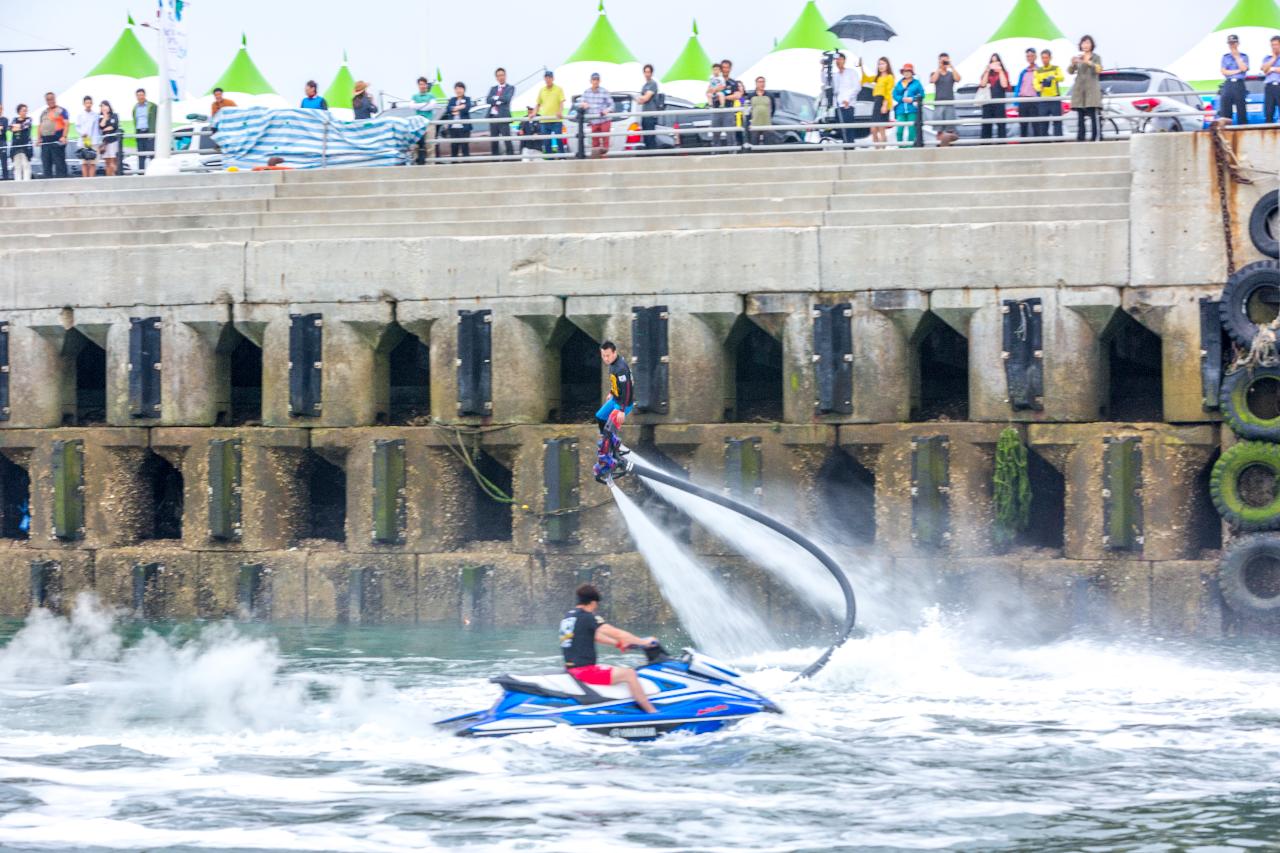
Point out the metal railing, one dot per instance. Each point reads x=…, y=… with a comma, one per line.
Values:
x=695, y=130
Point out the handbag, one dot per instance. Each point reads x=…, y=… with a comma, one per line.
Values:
x=983, y=95
x=87, y=154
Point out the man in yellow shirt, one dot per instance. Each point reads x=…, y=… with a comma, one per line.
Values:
x=549, y=111
x=1048, y=84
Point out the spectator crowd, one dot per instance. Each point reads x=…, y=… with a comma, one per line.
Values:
x=897, y=99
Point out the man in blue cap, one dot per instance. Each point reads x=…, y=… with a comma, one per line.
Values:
x=1232, y=96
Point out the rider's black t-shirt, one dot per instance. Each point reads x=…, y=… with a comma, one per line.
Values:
x=620, y=385
x=578, y=637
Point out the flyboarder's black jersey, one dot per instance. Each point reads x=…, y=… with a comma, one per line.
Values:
x=620, y=383
x=578, y=637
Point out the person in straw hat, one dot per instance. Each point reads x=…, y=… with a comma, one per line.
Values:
x=362, y=104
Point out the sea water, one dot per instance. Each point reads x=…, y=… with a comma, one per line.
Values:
x=120, y=736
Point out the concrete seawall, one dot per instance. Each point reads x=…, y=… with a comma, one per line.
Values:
x=267, y=392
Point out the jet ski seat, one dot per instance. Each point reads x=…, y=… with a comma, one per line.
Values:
x=562, y=685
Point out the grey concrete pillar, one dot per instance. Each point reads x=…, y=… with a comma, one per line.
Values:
x=41, y=373
x=1173, y=313
x=1172, y=459
x=525, y=369
x=698, y=328
x=886, y=449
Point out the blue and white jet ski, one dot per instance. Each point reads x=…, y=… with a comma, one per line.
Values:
x=692, y=693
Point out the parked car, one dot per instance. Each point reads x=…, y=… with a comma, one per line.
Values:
x=1163, y=110
x=1253, y=102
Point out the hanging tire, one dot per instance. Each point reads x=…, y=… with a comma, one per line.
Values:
x=1245, y=485
x=1250, y=403
x=1251, y=298
x=1264, y=224
x=1249, y=577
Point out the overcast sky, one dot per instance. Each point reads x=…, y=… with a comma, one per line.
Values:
x=391, y=42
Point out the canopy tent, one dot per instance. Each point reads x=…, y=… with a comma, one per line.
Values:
x=126, y=68
x=243, y=83
x=340, y=92
x=794, y=63
x=602, y=50
x=688, y=75
x=1028, y=25
x=1255, y=21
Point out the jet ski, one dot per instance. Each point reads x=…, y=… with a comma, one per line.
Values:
x=692, y=693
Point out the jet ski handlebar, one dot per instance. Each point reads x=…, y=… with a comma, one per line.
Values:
x=654, y=652
x=850, y=603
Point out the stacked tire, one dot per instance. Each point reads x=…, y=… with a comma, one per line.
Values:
x=1245, y=482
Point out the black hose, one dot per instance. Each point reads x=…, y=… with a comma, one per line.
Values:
x=850, y=604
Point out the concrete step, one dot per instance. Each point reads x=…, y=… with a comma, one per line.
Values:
x=419, y=183
x=116, y=194
x=675, y=210
x=973, y=168
x=984, y=183
x=487, y=228
x=1004, y=151
x=1021, y=213
x=994, y=197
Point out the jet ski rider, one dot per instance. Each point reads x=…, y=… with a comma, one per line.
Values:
x=621, y=393
x=581, y=629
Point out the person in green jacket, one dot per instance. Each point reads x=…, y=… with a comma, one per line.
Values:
x=1048, y=83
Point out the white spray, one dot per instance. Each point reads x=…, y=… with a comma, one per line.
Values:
x=717, y=620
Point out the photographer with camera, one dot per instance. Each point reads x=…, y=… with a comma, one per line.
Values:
x=840, y=87
x=944, y=79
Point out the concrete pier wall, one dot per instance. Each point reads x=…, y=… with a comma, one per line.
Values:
x=220, y=497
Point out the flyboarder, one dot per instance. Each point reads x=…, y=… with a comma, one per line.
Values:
x=580, y=630
x=612, y=414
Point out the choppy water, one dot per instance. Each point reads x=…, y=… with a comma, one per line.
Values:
x=228, y=737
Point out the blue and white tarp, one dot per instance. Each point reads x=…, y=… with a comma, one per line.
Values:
x=311, y=139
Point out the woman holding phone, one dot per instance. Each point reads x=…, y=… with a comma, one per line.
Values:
x=1086, y=93
x=996, y=79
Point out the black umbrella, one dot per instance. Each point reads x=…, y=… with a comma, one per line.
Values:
x=862, y=28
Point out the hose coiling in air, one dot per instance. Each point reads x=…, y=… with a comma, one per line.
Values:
x=850, y=604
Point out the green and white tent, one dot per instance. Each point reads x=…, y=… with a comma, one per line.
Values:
x=1255, y=21
x=602, y=50
x=243, y=83
x=126, y=68
x=340, y=92
x=793, y=64
x=687, y=77
x=1027, y=25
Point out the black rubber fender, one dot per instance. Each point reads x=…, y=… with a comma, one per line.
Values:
x=1243, y=284
x=1233, y=402
x=1249, y=577
x=1262, y=224
x=1224, y=485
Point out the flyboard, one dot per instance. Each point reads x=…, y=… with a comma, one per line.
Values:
x=692, y=692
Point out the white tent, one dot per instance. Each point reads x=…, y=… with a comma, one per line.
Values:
x=601, y=51
x=1028, y=25
x=795, y=63
x=1255, y=21
x=126, y=68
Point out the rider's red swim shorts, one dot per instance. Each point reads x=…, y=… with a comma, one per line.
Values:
x=594, y=674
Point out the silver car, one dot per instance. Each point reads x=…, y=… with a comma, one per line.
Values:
x=1171, y=106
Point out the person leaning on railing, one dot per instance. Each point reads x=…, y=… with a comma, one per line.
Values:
x=1048, y=83
x=596, y=104
x=1086, y=92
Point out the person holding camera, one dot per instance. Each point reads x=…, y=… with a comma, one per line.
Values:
x=1086, y=94
x=1048, y=84
x=944, y=80
x=109, y=128
x=90, y=139
x=996, y=82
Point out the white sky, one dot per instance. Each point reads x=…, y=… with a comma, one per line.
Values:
x=391, y=42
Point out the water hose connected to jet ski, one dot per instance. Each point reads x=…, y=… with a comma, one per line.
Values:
x=850, y=605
